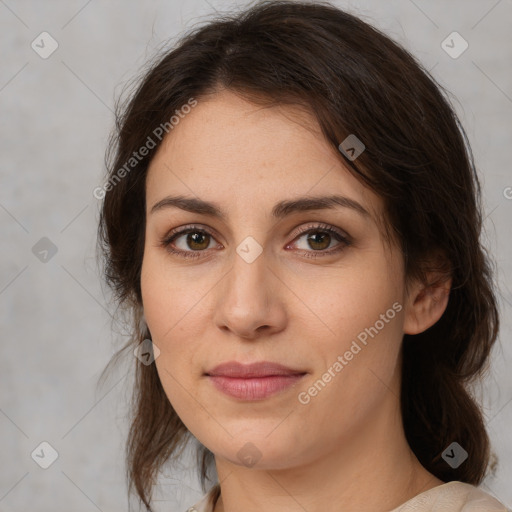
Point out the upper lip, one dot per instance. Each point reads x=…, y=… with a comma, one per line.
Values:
x=259, y=369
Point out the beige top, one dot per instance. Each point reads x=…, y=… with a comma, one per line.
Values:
x=449, y=497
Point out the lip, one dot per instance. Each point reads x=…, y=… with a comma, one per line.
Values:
x=259, y=369
x=255, y=381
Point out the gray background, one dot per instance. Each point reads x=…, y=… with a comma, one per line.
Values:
x=57, y=334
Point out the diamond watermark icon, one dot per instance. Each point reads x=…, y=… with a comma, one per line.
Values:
x=146, y=352
x=249, y=249
x=351, y=147
x=249, y=455
x=44, y=455
x=454, y=455
x=44, y=45
x=454, y=45
x=44, y=250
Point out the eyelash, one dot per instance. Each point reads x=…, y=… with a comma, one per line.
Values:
x=321, y=228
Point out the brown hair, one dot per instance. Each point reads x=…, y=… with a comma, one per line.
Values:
x=355, y=80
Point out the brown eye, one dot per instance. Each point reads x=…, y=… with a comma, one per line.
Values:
x=188, y=243
x=197, y=240
x=318, y=239
x=192, y=241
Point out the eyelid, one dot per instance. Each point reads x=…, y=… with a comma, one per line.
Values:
x=344, y=238
x=300, y=230
x=196, y=227
x=320, y=226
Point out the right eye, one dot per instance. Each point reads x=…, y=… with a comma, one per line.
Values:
x=197, y=239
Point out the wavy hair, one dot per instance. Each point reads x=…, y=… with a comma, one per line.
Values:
x=355, y=80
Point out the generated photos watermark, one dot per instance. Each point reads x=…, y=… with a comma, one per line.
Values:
x=159, y=132
x=305, y=397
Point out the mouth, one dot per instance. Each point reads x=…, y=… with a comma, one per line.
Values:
x=255, y=381
x=249, y=371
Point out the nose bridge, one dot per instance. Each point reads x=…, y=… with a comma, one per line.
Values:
x=246, y=302
x=247, y=281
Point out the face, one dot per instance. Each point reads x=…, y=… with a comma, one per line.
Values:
x=253, y=276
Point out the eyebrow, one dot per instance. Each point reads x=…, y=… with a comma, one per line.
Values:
x=279, y=211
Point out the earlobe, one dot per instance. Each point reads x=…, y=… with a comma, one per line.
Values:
x=425, y=305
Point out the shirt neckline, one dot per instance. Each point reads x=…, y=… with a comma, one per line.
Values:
x=204, y=504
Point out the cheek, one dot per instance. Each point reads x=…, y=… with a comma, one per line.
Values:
x=165, y=311
x=164, y=297
x=162, y=312
x=365, y=318
x=156, y=298
x=357, y=300
x=174, y=312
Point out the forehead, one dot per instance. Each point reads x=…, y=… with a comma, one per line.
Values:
x=240, y=154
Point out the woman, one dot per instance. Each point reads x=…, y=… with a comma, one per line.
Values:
x=292, y=216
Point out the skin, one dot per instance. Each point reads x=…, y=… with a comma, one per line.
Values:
x=347, y=444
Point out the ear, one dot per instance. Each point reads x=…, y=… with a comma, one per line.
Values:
x=426, y=302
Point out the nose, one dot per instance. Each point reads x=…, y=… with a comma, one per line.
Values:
x=249, y=301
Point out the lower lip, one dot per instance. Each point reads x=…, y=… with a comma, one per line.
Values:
x=256, y=388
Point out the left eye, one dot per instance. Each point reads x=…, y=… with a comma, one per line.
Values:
x=318, y=238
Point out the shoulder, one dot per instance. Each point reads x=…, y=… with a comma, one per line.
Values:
x=450, y=497
x=453, y=497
